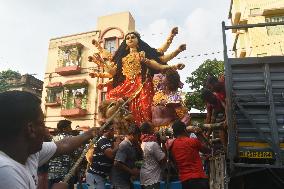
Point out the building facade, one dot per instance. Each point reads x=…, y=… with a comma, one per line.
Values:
x=262, y=41
x=27, y=83
x=69, y=92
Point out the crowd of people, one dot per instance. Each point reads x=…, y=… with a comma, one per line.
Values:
x=115, y=161
x=31, y=159
x=24, y=153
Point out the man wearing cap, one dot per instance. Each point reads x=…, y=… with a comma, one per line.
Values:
x=102, y=158
x=185, y=151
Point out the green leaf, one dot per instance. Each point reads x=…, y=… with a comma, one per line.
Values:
x=5, y=77
x=197, y=81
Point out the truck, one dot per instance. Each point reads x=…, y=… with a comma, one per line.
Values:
x=254, y=157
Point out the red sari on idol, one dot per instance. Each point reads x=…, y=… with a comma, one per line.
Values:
x=140, y=106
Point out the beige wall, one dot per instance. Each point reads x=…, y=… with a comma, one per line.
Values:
x=122, y=22
x=256, y=41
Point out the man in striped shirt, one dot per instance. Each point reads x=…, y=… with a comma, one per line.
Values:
x=102, y=159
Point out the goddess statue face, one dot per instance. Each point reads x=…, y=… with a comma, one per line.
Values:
x=131, y=40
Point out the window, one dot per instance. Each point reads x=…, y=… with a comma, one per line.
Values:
x=75, y=97
x=53, y=95
x=110, y=45
x=255, y=11
x=275, y=30
x=69, y=55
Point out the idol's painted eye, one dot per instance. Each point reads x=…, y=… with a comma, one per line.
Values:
x=130, y=37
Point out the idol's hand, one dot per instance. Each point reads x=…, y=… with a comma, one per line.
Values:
x=98, y=58
x=180, y=66
x=182, y=47
x=95, y=42
x=97, y=74
x=174, y=31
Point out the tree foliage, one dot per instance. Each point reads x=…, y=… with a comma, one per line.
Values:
x=5, y=77
x=197, y=81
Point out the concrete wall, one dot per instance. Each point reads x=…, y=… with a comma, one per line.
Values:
x=257, y=41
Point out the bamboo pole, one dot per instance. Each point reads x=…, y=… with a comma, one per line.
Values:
x=93, y=141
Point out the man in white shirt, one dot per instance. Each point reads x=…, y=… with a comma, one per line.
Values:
x=153, y=156
x=22, y=149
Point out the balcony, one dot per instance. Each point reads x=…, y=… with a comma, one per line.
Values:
x=74, y=112
x=273, y=11
x=76, y=83
x=68, y=70
x=52, y=104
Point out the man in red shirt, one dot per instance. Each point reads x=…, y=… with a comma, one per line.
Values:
x=185, y=152
x=217, y=86
x=213, y=105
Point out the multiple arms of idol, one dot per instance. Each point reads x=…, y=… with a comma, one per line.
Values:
x=103, y=59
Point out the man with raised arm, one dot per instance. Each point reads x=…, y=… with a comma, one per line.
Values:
x=185, y=151
x=22, y=149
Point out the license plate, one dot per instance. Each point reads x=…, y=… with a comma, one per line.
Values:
x=257, y=155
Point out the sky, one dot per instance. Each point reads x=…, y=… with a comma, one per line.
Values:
x=28, y=25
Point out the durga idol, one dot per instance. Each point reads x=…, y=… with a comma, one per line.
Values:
x=131, y=70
